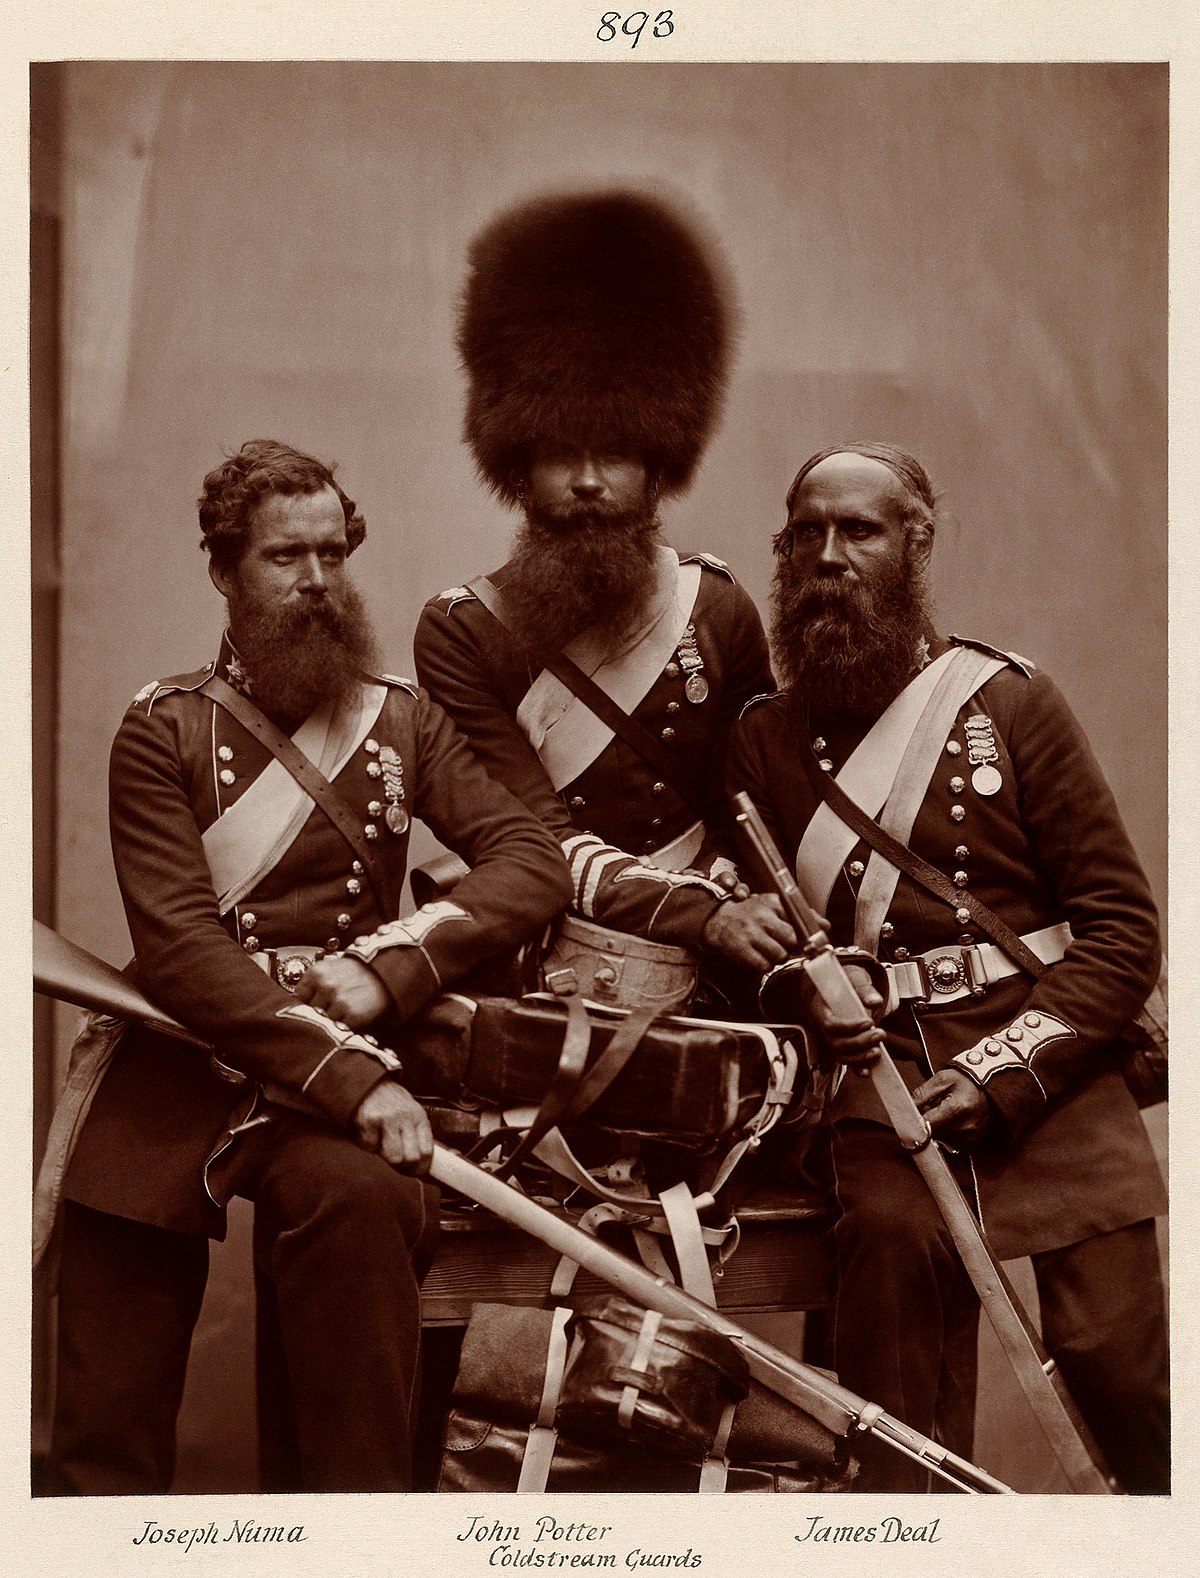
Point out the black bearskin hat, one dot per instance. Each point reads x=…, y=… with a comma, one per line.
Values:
x=600, y=316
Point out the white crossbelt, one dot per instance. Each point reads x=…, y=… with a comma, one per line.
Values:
x=943, y=975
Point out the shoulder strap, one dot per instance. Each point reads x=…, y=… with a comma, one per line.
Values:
x=307, y=775
x=913, y=865
x=597, y=700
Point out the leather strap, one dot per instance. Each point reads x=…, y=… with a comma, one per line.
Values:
x=308, y=776
x=564, y=1084
x=908, y=861
x=598, y=701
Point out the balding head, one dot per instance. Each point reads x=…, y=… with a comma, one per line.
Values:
x=862, y=463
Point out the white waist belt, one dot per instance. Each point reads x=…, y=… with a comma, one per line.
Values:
x=945, y=974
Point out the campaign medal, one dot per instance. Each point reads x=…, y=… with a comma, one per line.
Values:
x=982, y=754
x=695, y=686
x=395, y=816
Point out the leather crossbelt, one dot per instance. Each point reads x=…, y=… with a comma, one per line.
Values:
x=598, y=701
x=308, y=776
x=943, y=975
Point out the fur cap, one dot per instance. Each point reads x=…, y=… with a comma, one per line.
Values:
x=588, y=317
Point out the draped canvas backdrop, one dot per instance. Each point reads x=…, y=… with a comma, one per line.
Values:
x=967, y=260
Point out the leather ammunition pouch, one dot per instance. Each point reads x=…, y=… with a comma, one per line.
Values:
x=509, y=1429
x=636, y=1375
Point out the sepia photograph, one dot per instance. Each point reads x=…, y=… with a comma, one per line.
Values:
x=599, y=660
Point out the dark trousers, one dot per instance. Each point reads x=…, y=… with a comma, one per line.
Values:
x=340, y=1242
x=906, y=1317
x=339, y=1239
x=906, y=1321
x=1104, y=1321
x=128, y=1298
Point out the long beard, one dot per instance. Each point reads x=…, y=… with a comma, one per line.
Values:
x=849, y=647
x=582, y=567
x=300, y=654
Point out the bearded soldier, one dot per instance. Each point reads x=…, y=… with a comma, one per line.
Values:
x=260, y=812
x=595, y=334
x=971, y=758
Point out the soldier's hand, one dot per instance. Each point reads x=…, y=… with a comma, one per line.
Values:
x=955, y=1107
x=853, y=1041
x=390, y=1123
x=750, y=931
x=345, y=989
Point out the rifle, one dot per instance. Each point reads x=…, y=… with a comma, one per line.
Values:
x=1069, y=1438
x=67, y=972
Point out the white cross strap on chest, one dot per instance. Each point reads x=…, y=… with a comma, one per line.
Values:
x=563, y=730
x=871, y=771
x=965, y=673
x=252, y=836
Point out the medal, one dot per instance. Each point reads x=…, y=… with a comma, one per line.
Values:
x=396, y=817
x=692, y=664
x=986, y=779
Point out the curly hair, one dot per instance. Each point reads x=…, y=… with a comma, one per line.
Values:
x=234, y=490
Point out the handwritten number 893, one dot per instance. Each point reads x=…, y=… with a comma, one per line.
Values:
x=633, y=25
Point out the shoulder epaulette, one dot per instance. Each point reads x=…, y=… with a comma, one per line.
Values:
x=410, y=685
x=710, y=561
x=1026, y=665
x=765, y=695
x=455, y=594
x=150, y=693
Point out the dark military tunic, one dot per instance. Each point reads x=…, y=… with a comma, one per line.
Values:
x=1071, y=1157
x=481, y=674
x=178, y=762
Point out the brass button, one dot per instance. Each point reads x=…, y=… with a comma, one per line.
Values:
x=902, y=953
x=668, y=734
x=577, y=801
x=357, y=867
x=227, y=776
x=818, y=745
x=957, y=814
x=374, y=807
x=672, y=706
x=953, y=748
x=251, y=945
x=887, y=929
x=371, y=747
x=656, y=821
x=962, y=916
x=672, y=671
x=225, y=753
x=332, y=944
x=856, y=868
x=658, y=788
x=371, y=831
x=957, y=785
x=1033, y=1020
x=353, y=887
x=249, y=919
x=374, y=770
x=1015, y=1033
x=825, y=765
x=343, y=921
x=649, y=847
x=967, y=940
x=974, y=1057
x=961, y=852
x=960, y=879
x=992, y=1048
